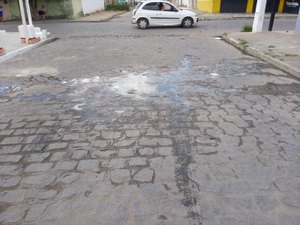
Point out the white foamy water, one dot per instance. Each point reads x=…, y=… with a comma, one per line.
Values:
x=135, y=85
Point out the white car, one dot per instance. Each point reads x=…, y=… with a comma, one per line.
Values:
x=162, y=13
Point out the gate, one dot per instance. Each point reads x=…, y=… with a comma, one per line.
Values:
x=269, y=6
x=233, y=6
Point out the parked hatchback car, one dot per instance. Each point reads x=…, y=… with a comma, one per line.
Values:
x=162, y=13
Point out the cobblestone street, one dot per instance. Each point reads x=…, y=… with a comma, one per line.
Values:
x=163, y=126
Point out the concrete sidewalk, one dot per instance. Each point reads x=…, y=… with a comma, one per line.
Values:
x=281, y=49
x=12, y=44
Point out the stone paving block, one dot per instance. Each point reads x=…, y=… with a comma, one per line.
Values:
x=125, y=152
x=38, y=167
x=165, y=151
x=235, y=187
x=57, y=211
x=68, y=177
x=146, y=151
x=24, y=131
x=114, y=212
x=152, y=132
x=132, y=133
x=70, y=192
x=237, y=202
x=33, y=139
x=10, y=169
x=288, y=184
x=65, y=123
x=125, y=190
x=101, y=189
x=290, y=219
x=206, y=140
x=12, y=140
x=102, y=154
x=36, y=157
x=111, y=135
x=80, y=154
x=90, y=177
x=80, y=146
x=231, y=129
x=10, y=149
x=33, y=124
x=89, y=164
x=9, y=181
x=120, y=175
x=155, y=141
x=10, y=158
x=38, y=180
x=12, y=215
x=46, y=130
x=5, y=120
x=114, y=163
x=60, y=156
x=291, y=200
x=31, y=118
x=151, y=191
x=137, y=161
x=6, y=132
x=124, y=143
x=144, y=208
x=144, y=175
x=41, y=194
x=17, y=125
x=57, y=146
x=49, y=123
x=64, y=166
x=34, y=147
x=100, y=144
x=35, y=212
x=12, y=196
x=73, y=136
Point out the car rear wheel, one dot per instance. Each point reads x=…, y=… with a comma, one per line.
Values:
x=187, y=22
x=143, y=23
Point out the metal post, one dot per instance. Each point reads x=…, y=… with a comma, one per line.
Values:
x=275, y=7
x=259, y=16
x=28, y=12
x=297, y=29
x=23, y=19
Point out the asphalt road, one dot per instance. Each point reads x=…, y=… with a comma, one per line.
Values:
x=114, y=125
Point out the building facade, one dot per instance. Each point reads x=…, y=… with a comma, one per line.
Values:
x=55, y=8
x=245, y=6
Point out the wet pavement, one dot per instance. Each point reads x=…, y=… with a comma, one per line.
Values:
x=190, y=136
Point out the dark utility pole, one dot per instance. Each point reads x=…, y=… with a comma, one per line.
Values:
x=274, y=9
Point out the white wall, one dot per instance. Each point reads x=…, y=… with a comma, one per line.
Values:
x=184, y=3
x=90, y=6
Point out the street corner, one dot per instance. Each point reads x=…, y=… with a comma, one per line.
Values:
x=281, y=49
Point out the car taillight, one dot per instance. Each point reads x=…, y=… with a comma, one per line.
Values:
x=134, y=12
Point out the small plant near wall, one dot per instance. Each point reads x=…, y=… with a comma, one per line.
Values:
x=247, y=28
x=117, y=7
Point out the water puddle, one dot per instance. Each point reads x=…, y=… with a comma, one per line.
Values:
x=161, y=85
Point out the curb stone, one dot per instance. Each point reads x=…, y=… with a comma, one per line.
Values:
x=258, y=54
